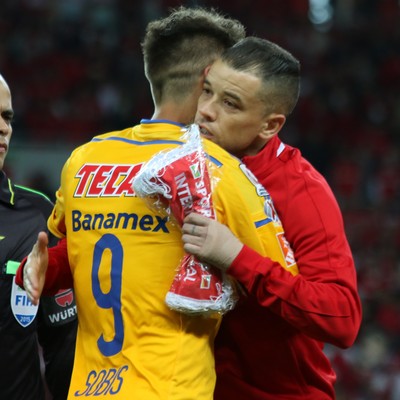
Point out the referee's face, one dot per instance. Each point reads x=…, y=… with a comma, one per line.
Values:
x=6, y=116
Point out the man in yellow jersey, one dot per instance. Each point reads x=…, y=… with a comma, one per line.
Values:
x=123, y=256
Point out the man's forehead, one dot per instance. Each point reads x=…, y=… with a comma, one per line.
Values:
x=225, y=77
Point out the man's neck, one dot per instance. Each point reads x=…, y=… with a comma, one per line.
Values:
x=181, y=113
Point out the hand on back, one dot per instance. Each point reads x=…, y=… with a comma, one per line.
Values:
x=210, y=241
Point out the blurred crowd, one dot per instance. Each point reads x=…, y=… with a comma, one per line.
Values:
x=75, y=70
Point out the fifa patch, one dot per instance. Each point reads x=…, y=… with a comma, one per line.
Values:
x=22, y=308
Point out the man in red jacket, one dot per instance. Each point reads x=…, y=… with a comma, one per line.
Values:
x=271, y=345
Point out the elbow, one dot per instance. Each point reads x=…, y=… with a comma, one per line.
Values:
x=346, y=340
x=342, y=331
x=349, y=328
x=348, y=332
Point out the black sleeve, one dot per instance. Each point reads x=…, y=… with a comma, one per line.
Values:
x=58, y=345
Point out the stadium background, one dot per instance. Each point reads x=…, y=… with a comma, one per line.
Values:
x=75, y=70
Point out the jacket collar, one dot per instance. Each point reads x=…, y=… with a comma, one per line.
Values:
x=7, y=194
x=273, y=153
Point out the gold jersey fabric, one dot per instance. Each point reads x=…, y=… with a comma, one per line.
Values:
x=123, y=258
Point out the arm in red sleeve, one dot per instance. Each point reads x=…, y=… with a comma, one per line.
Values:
x=322, y=301
x=58, y=275
x=326, y=311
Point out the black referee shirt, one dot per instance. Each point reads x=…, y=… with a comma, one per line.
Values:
x=23, y=214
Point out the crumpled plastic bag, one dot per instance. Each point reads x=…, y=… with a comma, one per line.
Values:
x=178, y=182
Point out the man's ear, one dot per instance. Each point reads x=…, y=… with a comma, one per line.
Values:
x=272, y=124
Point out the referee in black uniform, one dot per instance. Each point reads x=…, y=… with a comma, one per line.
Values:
x=24, y=213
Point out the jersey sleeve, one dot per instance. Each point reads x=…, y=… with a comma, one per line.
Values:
x=246, y=208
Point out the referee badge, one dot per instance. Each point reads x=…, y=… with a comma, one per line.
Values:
x=23, y=309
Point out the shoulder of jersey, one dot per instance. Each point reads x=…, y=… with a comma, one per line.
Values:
x=218, y=153
x=121, y=133
x=100, y=138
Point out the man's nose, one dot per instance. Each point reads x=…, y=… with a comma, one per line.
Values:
x=4, y=127
x=207, y=110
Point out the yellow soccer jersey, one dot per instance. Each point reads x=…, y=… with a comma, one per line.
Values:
x=123, y=258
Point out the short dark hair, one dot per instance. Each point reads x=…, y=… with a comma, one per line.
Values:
x=278, y=70
x=179, y=47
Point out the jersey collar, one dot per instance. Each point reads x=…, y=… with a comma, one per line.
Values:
x=161, y=121
x=159, y=129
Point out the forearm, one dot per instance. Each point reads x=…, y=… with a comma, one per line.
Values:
x=327, y=309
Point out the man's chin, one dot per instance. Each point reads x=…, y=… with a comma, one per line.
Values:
x=2, y=159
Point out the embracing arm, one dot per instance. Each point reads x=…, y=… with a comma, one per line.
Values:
x=327, y=308
x=321, y=301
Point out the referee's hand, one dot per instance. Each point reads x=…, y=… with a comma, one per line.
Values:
x=35, y=268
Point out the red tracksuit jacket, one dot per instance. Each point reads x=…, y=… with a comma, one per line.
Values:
x=270, y=346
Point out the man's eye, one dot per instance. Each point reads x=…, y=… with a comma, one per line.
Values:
x=230, y=104
x=8, y=118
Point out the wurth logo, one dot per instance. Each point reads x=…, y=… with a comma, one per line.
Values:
x=64, y=298
x=101, y=180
